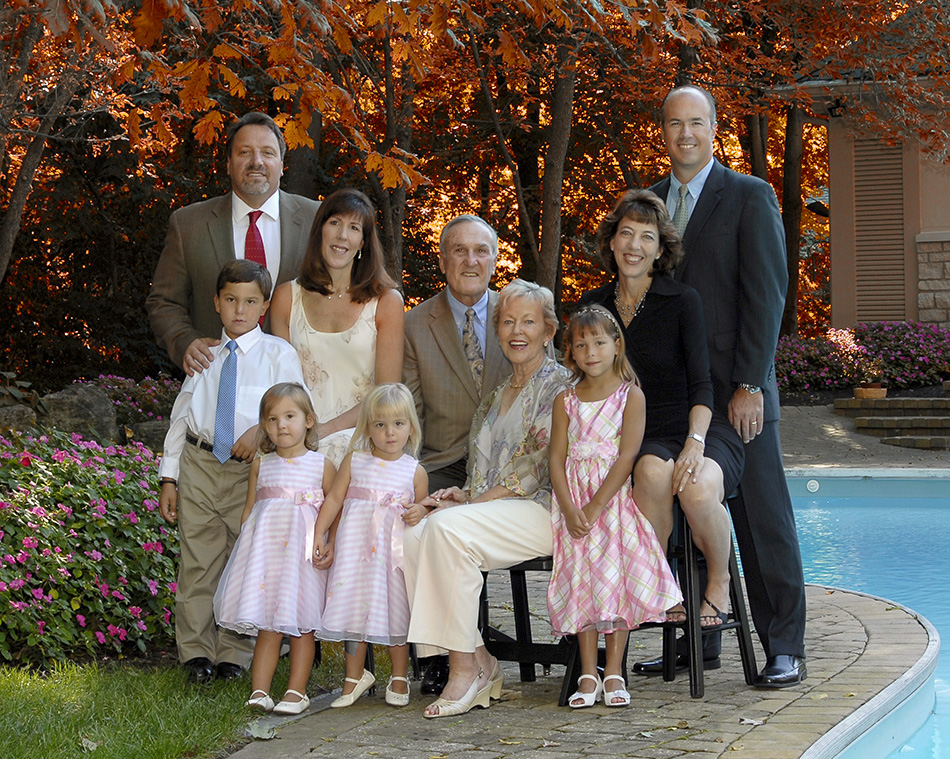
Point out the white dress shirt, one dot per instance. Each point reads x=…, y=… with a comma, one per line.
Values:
x=268, y=224
x=263, y=361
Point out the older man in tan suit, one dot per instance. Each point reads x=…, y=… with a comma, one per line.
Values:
x=254, y=221
x=453, y=360
x=437, y=370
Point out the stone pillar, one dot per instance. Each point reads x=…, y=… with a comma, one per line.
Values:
x=933, y=278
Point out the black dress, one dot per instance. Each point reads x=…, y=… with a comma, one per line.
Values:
x=666, y=343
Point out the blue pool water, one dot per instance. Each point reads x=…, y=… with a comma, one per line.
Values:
x=889, y=537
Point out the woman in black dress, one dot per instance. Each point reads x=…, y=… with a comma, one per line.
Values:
x=688, y=450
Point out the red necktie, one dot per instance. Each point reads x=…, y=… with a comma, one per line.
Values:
x=254, y=243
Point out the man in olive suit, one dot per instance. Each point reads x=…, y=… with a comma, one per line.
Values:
x=255, y=221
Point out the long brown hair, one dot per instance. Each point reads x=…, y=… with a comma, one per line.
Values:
x=368, y=277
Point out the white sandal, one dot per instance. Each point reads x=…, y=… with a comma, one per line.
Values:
x=263, y=702
x=586, y=699
x=397, y=699
x=621, y=692
x=444, y=707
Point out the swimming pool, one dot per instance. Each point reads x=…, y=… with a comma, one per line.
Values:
x=887, y=534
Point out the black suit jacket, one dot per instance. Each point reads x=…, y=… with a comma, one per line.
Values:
x=735, y=258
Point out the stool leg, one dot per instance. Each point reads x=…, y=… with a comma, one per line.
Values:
x=370, y=665
x=519, y=598
x=693, y=629
x=572, y=670
x=740, y=614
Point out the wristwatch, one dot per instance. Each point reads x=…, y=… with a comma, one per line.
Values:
x=753, y=389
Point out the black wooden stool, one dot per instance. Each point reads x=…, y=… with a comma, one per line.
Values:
x=682, y=549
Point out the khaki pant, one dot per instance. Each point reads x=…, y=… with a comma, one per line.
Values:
x=445, y=555
x=211, y=498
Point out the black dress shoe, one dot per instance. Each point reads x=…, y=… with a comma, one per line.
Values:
x=199, y=669
x=781, y=671
x=654, y=667
x=225, y=670
x=436, y=676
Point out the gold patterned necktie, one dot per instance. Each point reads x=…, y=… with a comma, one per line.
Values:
x=472, y=348
x=681, y=217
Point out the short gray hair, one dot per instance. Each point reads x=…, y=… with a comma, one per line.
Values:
x=465, y=218
x=519, y=288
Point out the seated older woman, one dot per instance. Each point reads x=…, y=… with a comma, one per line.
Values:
x=688, y=450
x=501, y=516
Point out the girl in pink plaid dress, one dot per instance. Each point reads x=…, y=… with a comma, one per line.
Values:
x=610, y=574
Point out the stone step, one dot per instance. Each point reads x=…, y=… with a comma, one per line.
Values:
x=902, y=426
x=928, y=442
x=854, y=407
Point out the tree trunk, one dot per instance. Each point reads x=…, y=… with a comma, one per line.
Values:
x=10, y=220
x=559, y=137
x=792, y=214
x=303, y=164
x=758, y=126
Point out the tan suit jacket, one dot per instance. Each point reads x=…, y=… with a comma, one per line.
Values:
x=199, y=242
x=438, y=374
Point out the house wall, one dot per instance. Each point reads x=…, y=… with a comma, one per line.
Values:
x=890, y=231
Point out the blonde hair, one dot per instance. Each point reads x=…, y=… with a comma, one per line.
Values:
x=597, y=319
x=389, y=400
x=519, y=288
x=299, y=395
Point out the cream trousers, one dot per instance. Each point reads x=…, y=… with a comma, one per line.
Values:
x=445, y=555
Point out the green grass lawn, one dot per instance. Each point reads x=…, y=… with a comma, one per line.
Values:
x=118, y=711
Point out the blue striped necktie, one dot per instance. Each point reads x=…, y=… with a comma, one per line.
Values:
x=224, y=411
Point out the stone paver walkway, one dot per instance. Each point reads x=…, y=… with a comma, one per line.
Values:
x=857, y=647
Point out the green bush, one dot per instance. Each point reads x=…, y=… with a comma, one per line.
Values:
x=86, y=567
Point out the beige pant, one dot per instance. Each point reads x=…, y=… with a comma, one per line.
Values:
x=211, y=498
x=445, y=555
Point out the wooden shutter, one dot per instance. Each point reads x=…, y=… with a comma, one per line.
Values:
x=879, y=231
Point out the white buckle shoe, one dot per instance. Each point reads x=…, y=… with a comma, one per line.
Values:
x=263, y=702
x=293, y=707
x=397, y=699
x=367, y=680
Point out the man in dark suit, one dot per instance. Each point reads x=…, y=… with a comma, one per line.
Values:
x=204, y=236
x=439, y=373
x=735, y=257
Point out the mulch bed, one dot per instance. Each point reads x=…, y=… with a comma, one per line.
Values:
x=827, y=397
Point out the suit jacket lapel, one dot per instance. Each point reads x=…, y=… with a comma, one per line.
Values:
x=705, y=206
x=496, y=364
x=220, y=230
x=291, y=230
x=445, y=333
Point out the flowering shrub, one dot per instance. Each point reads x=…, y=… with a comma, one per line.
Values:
x=899, y=354
x=811, y=364
x=911, y=354
x=85, y=564
x=145, y=401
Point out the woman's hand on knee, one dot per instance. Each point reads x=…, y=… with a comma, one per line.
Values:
x=688, y=467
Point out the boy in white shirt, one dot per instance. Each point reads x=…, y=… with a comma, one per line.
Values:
x=210, y=443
